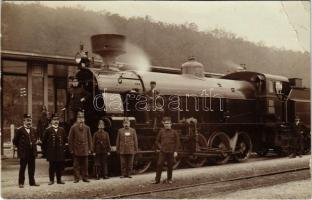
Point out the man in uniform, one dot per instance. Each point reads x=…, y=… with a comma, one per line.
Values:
x=78, y=97
x=80, y=145
x=155, y=109
x=126, y=147
x=298, y=139
x=102, y=149
x=25, y=139
x=54, y=141
x=167, y=142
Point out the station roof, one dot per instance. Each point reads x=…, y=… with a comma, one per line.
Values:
x=36, y=57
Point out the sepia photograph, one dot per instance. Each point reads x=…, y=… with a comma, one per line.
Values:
x=155, y=100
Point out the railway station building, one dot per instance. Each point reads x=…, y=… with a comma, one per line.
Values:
x=29, y=81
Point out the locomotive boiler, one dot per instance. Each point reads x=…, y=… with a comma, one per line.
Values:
x=218, y=119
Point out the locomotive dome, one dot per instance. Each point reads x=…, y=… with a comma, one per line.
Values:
x=193, y=67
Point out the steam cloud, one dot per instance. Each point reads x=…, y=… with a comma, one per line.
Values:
x=232, y=67
x=136, y=58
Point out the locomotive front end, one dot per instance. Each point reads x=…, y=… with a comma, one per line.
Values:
x=99, y=89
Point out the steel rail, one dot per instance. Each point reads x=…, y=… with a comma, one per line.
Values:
x=201, y=184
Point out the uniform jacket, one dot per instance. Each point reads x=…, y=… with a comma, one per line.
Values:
x=80, y=140
x=25, y=142
x=152, y=99
x=127, y=141
x=101, y=143
x=53, y=143
x=76, y=94
x=152, y=93
x=299, y=129
x=168, y=140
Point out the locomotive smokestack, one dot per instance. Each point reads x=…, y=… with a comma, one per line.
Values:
x=108, y=46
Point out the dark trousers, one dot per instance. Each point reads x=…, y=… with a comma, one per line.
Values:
x=101, y=165
x=55, y=168
x=298, y=145
x=80, y=167
x=31, y=162
x=126, y=164
x=169, y=158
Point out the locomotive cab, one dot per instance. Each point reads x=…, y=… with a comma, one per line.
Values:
x=271, y=92
x=278, y=103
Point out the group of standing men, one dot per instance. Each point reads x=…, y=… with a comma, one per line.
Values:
x=81, y=145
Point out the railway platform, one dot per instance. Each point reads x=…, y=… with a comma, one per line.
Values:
x=116, y=187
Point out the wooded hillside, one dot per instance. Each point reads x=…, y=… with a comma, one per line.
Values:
x=36, y=28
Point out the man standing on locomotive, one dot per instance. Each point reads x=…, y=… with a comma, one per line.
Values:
x=54, y=142
x=25, y=139
x=126, y=147
x=80, y=145
x=155, y=111
x=167, y=142
x=298, y=139
x=77, y=99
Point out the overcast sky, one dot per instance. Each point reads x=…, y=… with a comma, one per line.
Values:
x=279, y=24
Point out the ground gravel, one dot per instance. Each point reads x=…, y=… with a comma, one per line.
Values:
x=115, y=185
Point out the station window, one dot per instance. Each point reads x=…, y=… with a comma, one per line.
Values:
x=17, y=67
x=14, y=105
x=61, y=70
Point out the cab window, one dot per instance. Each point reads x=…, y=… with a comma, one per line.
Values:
x=278, y=87
x=270, y=86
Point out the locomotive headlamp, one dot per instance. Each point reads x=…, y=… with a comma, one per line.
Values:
x=82, y=59
x=78, y=58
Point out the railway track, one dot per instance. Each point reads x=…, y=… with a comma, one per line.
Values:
x=173, y=188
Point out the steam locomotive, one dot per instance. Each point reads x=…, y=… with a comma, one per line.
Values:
x=218, y=118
